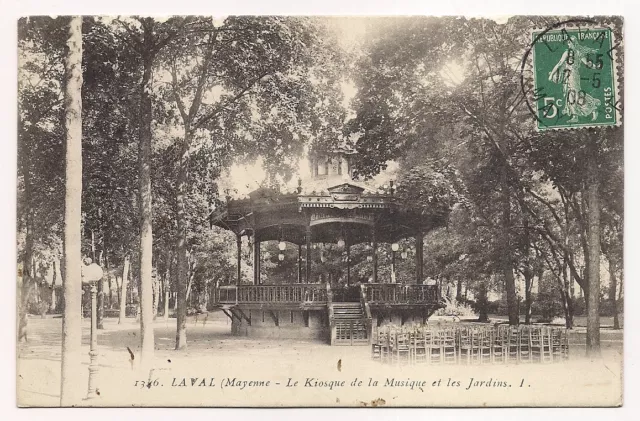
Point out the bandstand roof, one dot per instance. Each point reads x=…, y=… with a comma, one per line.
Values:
x=330, y=206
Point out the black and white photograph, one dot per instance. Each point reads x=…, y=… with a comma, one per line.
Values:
x=320, y=211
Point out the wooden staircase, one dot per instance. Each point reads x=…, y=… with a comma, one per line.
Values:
x=349, y=325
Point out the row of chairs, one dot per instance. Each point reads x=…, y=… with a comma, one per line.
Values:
x=469, y=344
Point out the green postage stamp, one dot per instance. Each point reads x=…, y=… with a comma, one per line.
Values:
x=574, y=74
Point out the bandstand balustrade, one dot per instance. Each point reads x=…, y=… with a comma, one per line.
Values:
x=285, y=294
x=401, y=294
x=317, y=294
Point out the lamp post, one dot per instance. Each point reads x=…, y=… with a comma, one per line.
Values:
x=91, y=274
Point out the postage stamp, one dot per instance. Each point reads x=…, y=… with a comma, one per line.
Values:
x=574, y=75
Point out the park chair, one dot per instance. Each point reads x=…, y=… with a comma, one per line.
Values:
x=547, y=348
x=540, y=341
x=420, y=348
x=559, y=344
x=449, y=351
x=434, y=346
x=468, y=344
x=500, y=344
x=377, y=342
x=386, y=344
x=513, y=347
x=402, y=348
x=524, y=355
x=485, y=343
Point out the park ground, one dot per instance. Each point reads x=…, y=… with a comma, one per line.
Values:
x=214, y=353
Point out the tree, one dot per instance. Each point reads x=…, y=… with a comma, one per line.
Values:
x=110, y=109
x=409, y=88
x=71, y=330
x=242, y=88
x=40, y=149
x=588, y=191
x=147, y=37
x=402, y=102
x=144, y=192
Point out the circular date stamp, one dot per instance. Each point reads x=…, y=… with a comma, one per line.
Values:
x=574, y=76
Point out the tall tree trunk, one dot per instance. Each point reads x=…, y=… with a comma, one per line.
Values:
x=156, y=293
x=528, y=283
x=459, y=297
x=109, y=283
x=36, y=281
x=483, y=302
x=570, y=311
x=146, y=233
x=182, y=179
x=100, y=305
x=569, y=289
x=191, y=274
x=93, y=247
x=54, y=299
x=181, y=281
x=620, y=288
x=123, y=289
x=505, y=252
x=565, y=305
x=528, y=274
x=167, y=283
x=593, y=263
x=24, y=277
x=72, y=282
x=189, y=284
x=25, y=280
x=612, y=293
x=119, y=292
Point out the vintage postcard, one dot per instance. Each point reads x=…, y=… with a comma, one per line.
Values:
x=314, y=211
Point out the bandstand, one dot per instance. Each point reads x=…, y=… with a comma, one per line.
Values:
x=328, y=208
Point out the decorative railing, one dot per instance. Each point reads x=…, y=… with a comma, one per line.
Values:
x=332, y=322
x=319, y=294
x=227, y=294
x=286, y=294
x=365, y=307
x=401, y=294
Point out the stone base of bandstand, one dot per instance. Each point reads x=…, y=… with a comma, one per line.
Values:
x=283, y=324
x=399, y=317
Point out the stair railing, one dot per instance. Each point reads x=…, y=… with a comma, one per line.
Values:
x=367, y=310
x=332, y=323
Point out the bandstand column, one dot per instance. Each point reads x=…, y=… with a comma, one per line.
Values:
x=348, y=263
x=419, y=258
x=299, y=263
x=239, y=259
x=374, y=241
x=308, y=251
x=256, y=260
x=393, y=267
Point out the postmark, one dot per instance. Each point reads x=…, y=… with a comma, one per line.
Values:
x=574, y=77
